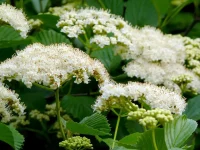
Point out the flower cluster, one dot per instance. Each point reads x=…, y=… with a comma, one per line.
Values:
x=76, y=143
x=122, y=95
x=9, y=104
x=192, y=47
x=16, y=18
x=155, y=57
x=150, y=118
x=52, y=66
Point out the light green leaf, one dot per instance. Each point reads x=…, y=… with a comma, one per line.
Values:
x=95, y=124
x=108, y=58
x=40, y=5
x=192, y=110
x=178, y=131
x=141, y=12
x=11, y=136
x=130, y=139
x=122, y=148
x=48, y=37
x=79, y=107
x=146, y=141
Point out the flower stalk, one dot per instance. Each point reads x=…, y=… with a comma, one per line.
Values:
x=58, y=113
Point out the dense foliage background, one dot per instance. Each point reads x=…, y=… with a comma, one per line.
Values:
x=170, y=16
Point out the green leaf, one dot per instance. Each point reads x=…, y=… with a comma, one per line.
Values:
x=108, y=58
x=11, y=136
x=122, y=148
x=192, y=110
x=79, y=107
x=95, y=124
x=162, y=7
x=116, y=6
x=178, y=131
x=93, y=3
x=49, y=21
x=146, y=141
x=133, y=126
x=48, y=37
x=9, y=37
x=130, y=139
x=174, y=12
x=141, y=12
x=40, y=5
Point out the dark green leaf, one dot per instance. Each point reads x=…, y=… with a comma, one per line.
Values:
x=48, y=37
x=122, y=148
x=79, y=107
x=178, y=131
x=10, y=37
x=192, y=109
x=108, y=58
x=49, y=21
x=11, y=136
x=141, y=12
x=146, y=141
x=133, y=126
x=116, y=6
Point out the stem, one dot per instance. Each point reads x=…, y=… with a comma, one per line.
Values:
x=116, y=129
x=70, y=88
x=154, y=140
x=58, y=113
x=102, y=4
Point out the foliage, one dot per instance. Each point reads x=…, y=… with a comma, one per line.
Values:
x=55, y=115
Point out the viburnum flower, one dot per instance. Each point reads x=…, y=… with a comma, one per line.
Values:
x=151, y=52
x=118, y=95
x=52, y=66
x=16, y=18
x=9, y=104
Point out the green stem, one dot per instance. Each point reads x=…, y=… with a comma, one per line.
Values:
x=70, y=87
x=102, y=4
x=58, y=113
x=116, y=129
x=154, y=139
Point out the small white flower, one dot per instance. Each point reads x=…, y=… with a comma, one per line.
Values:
x=16, y=18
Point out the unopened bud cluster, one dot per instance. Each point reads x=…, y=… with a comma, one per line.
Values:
x=76, y=143
x=150, y=118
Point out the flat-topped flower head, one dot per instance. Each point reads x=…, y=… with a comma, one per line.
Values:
x=9, y=104
x=130, y=42
x=16, y=18
x=52, y=66
x=154, y=96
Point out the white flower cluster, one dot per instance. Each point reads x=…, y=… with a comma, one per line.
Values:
x=16, y=18
x=9, y=104
x=51, y=66
x=152, y=95
x=156, y=57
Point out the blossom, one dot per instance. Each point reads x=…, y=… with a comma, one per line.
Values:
x=152, y=95
x=16, y=18
x=52, y=66
x=9, y=104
